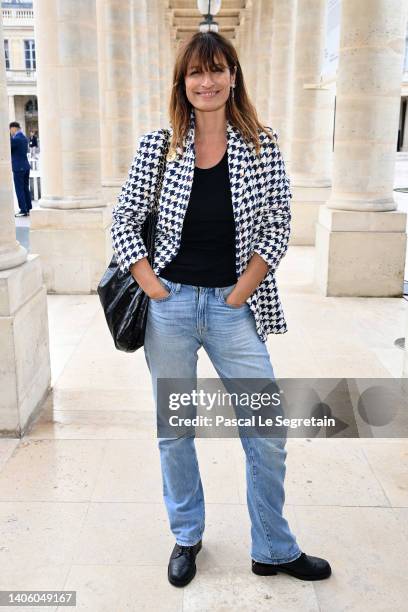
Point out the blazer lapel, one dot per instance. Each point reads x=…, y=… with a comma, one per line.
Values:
x=239, y=163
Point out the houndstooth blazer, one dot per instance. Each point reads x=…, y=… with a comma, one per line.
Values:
x=260, y=190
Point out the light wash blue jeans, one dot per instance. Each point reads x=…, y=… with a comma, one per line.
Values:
x=177, y=326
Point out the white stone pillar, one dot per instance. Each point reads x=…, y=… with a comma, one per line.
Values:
x=311, y=140
x=19, y=112
x=281, y=72
x=140, y=70
x=24, y=348
x=115, y=89
x=258, y=44
x=166, y=62
x=170, y=54
x=12, y=109
x=254, y=49
x=70, y=230
x=249, y=51
x=240, y=36
x=11, y=252
x=171, y=47
x=368, y=104
x=264, y=88
x=360, y=248
x=153, y=59
x=240, y=39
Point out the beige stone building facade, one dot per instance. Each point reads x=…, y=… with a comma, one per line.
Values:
x=102, y=77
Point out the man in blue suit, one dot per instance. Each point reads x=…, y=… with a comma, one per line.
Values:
x=21, y=168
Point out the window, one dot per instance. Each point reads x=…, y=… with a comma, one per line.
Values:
x=29, y=54
x=31, y=106
x=7, y=54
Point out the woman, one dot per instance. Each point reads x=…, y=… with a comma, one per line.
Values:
x=223, y=227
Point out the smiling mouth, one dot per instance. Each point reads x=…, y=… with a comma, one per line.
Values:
x=209, y=94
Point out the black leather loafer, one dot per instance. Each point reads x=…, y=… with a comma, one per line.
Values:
x=182, y=567
x=304, y=568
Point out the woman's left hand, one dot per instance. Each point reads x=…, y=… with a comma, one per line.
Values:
x=230, y=301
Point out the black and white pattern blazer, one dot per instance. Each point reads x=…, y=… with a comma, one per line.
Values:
x=260, y=190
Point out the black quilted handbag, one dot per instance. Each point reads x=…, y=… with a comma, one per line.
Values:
x=125, y=303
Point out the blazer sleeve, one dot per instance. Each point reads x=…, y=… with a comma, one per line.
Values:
x=273, y=238
x=134, y=203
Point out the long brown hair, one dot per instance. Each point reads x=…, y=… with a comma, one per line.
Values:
x=207, y=48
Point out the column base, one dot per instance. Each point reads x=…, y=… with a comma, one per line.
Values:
x=74, y=245
x=71, y=203
x=305, y=208
x=10, y=258
x=25, y=375
x=360, y=254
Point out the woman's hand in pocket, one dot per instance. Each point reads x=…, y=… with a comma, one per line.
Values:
x=143, y=274
x=159, y=295
x=231, y=301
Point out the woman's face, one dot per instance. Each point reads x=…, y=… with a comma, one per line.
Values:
x=208, y=90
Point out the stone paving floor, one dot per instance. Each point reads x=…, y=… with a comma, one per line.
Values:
x=80, y=495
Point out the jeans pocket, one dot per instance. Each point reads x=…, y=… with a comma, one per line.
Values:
x=169, y=285
x=224, y=293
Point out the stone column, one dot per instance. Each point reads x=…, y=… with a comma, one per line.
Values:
x=239, y=40
x=12, y=109
x=361, y=240
x=115, y=88
x=163, y=63
x=311, y=140
x=253, y=40
x=264, y=86
x=249, y=51
x=170, y=52
x=140, y=70
x=257, y=50
x=24, y=348
x=153, y=59
x=11, y=252
x=70, y=230
x=19, y=111
x=239, y=35
x=281, y=72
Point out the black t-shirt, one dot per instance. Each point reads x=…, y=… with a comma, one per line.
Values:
x=207, y=251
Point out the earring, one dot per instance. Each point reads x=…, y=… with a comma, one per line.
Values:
x=232, y=92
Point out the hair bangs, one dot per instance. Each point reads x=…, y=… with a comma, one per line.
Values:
x=205, y=54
